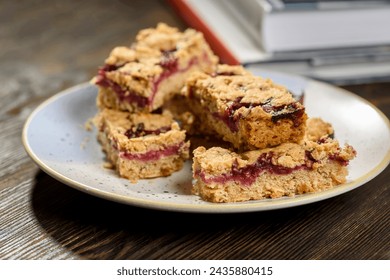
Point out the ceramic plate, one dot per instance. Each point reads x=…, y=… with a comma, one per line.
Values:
x=56, y=139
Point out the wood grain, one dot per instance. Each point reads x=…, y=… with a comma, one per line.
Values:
x=47, y=46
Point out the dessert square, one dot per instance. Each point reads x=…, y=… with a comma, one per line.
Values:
x=286, y=170
x=248, y=111
x=142, y=145
x=142, y=77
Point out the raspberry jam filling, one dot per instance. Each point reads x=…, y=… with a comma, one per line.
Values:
x=139, y=131
x=292, y=111
x=153, y=154
x=170, y=67
x=247, y=175
x=123, y=94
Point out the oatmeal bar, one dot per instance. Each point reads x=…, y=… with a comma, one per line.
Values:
x=285, y=170
x=142, y=145
x=248, y=111
x=142, y=77
x=317, y=164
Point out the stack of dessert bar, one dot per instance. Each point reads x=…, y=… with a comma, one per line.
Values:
x=277, y=150
x=139, y=137
x=274, y=150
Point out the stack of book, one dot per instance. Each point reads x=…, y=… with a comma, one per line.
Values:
x=342, y=42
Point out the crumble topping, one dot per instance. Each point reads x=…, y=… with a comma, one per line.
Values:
x=248, y=111
x=162, y=37
x=238, y=86
x=136, y=76
x=118, y=125
x=121, y=55
x=316, y=149
x=141, y=77
x=289, y=156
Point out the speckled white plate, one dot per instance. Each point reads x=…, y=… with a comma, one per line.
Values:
x=55, y=138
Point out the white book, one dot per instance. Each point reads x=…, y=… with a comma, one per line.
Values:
x=280, y=26
x=234, y=44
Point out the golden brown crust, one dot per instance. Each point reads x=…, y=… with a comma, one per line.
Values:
x=154, y=68
x=307, y=167
x=114, y=125
x=217, y=160
x=248, y=111
x=317, y=163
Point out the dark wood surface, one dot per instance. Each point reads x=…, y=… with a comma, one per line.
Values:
x=47, y=46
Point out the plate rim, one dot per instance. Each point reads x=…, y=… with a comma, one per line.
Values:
x=237, y=207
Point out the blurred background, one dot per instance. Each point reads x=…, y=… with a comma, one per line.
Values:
x=46, y=46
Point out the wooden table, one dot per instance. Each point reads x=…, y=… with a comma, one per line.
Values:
x=49, y=46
